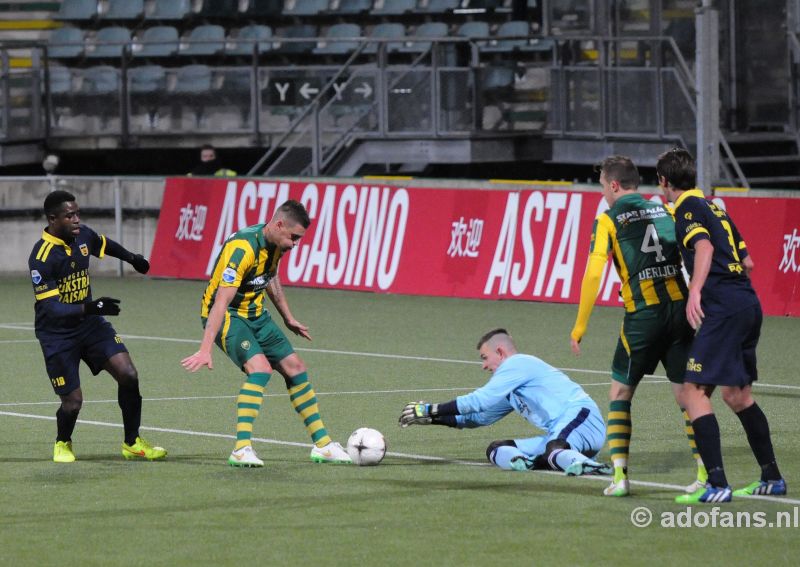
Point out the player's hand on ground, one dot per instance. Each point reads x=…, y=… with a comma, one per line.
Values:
x=197, y=361
x=416, y=413
x=297, y=328
x=102, y=306
x=575, y=345
x=140, y=264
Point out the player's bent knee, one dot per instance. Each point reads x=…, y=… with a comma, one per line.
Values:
x=495, y=445
x=555, y=444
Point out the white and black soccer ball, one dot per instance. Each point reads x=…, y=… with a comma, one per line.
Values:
x=366, y=446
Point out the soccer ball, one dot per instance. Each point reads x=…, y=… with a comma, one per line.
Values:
x=366, y=446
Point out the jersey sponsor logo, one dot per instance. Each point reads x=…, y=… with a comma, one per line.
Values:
x=692, y=366
x=735, y=267
x=36, y=276
x=260, y=282
x=84, y=249
x=229, y=275
x=688, y=216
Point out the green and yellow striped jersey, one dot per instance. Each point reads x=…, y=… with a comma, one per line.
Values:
x=640, y=235
x=247, y=262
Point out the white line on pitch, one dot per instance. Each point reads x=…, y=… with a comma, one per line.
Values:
x=408, y=357
x=409, y=456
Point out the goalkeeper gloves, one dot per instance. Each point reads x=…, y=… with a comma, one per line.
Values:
x=102, y=306
x=418, y=413
x=140, y=263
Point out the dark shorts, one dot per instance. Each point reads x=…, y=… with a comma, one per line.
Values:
x=724, y=351
x=242, y=339
x=659, y=333
x=95, y=343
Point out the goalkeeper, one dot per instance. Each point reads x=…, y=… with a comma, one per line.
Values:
x=541, y=394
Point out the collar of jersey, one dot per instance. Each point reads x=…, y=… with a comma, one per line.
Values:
x=47, y=237
x=686, y=194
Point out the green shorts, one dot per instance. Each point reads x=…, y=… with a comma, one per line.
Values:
x=659, y=333
x=242, y=339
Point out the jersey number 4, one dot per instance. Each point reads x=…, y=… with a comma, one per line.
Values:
x=650, y=243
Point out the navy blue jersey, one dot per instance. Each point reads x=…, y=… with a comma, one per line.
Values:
x=727, y=288
x=60, y=272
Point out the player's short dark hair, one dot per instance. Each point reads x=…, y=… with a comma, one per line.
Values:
x=677, y=166
x=620, y=169
x=207, y=147
x=487, y=337
x=296, y=212
x=54, y=200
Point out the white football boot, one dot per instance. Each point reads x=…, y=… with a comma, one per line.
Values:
x=331, y=453
x=245, y=457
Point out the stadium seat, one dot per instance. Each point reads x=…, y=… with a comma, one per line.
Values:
x=109, y=42
x=262, y=8
x=328, y=47
x=242, y=44
x=147, y=79
x=383, y=31
x=124, y=10
x=393, y=7
x=438, y=6
x=65, y=43
x=193, y=79
x=60, y=80
x=100, y=80
x=204, y=40
x=428, y=29
x=220, y=9
x=169, y=10
x=351, y=7
x=77, y=10
x=158, y=41
x=297, y=31
x=305, y=7
x=474, y=30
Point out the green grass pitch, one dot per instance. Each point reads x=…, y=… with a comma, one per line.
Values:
x=432, y=501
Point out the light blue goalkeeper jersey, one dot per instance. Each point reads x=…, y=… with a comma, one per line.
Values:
x=527, y=385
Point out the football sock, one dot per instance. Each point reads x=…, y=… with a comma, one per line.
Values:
x=560, y=459
x=687, y=426
x=619, y=436
x=248, y=403
x=304, y=402
x=706, y=434
x=130, y=402
x=503, y=455
x=65, y=422
x=757, y=429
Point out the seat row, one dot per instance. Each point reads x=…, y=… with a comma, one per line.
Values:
x=205, y=40
x=88, y=10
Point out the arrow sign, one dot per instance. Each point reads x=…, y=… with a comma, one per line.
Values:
x=307, y=90
x=364, y=90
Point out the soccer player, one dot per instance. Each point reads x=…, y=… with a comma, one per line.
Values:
x=640, y=236
x=70, y=325
x=541, y=394
x=725, y=311
x=235, y=317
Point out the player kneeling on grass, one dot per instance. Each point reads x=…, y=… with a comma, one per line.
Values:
x=541, y=394
x=70, y=325
x=236, y=319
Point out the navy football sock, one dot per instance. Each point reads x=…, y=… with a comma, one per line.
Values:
x=706, y=435
x=756, y=427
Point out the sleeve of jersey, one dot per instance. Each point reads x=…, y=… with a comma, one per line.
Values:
x=690, y=224
x=97, y=242
x=598, y=256
x=483, y=418
x=493, y=393
x=45, y=290
x=237, y=258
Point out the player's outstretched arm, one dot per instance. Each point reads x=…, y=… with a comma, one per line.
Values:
x=216, y=317
x=276, y=295
x=703, y=253
x=139, y=262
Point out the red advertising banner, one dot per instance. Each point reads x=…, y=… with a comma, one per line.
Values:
x=496, y=244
